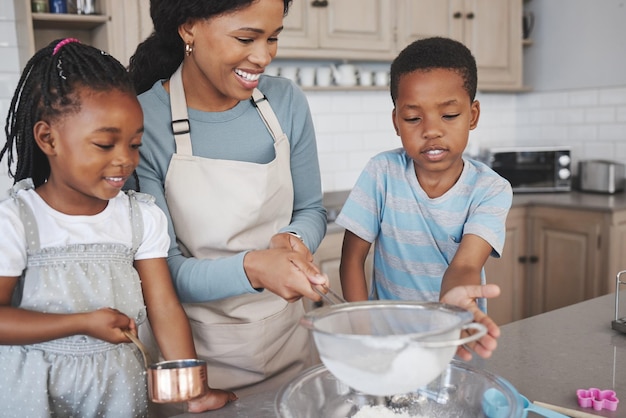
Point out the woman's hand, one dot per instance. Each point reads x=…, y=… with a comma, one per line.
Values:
x=212, y=399
x=284, y=271
x=465, y=297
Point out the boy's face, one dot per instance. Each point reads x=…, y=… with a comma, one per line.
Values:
x=433, y=116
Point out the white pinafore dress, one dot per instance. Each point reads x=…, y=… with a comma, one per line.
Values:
x=252, y=342
x=77, y=376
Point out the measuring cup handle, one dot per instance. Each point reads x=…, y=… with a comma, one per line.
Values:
x=142, y=348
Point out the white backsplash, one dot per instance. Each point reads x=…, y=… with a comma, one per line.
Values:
x=352, y=126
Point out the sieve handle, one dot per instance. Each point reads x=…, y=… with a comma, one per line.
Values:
x=480, y=330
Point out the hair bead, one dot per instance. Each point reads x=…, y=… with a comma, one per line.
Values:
x=63, y=43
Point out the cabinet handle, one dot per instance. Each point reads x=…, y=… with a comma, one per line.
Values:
x=522, y=259
x=319, y=3
x=470, y=15
x=457, y=15
x=533, y=259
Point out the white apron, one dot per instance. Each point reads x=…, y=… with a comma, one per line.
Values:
x=220, y=208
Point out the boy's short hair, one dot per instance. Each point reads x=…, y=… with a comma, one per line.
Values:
x=436, y=52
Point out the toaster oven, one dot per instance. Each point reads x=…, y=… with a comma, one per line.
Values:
x=532, y=169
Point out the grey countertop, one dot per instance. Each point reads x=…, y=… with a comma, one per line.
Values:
x=546, y=357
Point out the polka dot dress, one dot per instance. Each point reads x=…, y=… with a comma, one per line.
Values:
x=78, y=376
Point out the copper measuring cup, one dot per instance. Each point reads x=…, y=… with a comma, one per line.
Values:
x=175, y=380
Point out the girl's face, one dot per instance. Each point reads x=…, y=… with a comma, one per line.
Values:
x=92, y=151
x=433, y=117
x=230, y=52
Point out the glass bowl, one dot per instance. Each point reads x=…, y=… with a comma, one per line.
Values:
x=458, y=392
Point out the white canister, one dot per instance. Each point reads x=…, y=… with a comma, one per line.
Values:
x=307, y=76
x=323, y=77
x=289, y=72
x=381, y=78
x=365, y=78
x=86, y=7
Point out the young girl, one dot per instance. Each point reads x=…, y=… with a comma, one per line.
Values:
x=80, y=261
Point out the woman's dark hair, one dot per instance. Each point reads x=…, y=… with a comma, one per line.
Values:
x=437, y=52
x=47, y=90
x=161, y=53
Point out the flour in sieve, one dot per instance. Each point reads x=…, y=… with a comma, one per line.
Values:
x=381, y=411
x=410, y=369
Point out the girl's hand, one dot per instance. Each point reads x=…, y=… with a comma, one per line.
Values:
x=212, y=399
x=108, y=324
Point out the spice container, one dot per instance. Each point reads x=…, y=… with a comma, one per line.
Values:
x=86, y=7
x=58, y=6
x=39, y=6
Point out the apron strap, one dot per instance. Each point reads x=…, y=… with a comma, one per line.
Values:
x=180, y=117
x=181, y=126
x=262, y=105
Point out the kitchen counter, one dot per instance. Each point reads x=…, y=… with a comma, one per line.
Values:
x=546, y=357
x=573, y=200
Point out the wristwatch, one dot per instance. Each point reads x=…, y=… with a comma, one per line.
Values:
x=295, y=235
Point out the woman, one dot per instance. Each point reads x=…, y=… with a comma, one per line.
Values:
x=239, y=180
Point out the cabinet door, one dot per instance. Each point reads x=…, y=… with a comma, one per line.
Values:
x=566, y=244
x=509, y=272
x=341, y=29
x=491, y=30
x=131, y=24
x=418, y=19
x=363, y=25
x=300, y=27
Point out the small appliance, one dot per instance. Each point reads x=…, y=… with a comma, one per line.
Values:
x=601, y=176
x=532, y=169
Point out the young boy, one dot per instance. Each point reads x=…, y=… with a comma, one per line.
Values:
x=435, y=217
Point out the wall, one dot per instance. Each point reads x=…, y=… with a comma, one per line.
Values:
x=578, y=44
x=9, y=75
x=353, y=126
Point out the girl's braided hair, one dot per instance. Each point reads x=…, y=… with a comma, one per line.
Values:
x=47, y=90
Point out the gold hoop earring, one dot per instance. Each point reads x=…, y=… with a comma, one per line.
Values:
x=188, y=48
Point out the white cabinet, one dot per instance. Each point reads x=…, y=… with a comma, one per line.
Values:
x=117, y=27
x=490, y=29
x=36, y=30
x=338, y=29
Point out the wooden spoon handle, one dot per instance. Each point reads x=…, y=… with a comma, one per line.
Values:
x=142, y=348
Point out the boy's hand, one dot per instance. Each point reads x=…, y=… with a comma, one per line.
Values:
x=465, y=297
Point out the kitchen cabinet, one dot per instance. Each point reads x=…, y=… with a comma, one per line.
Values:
x=117, y=28
x=555, y=257
x=377, y=30
x=567, y=246
x=490, y=29
x=345, y=29
x=509, y=271
x=36, y=30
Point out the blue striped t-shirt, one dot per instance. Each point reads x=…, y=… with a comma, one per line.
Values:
x=415, y=236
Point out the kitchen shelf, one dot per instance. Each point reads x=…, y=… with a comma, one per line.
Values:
x=346, y=88
x=68, y=21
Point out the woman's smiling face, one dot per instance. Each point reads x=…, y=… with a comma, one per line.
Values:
x=230, y=52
